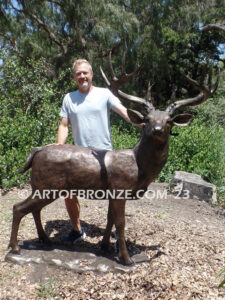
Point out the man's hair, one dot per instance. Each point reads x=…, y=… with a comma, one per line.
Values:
x=79, y=62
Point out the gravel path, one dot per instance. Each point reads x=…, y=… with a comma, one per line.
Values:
x=183, y=239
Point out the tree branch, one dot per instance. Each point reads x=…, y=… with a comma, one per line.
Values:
x=12, y=41
x=16, y=9
x=82, y=40
x=44, y=26
x=55, y=2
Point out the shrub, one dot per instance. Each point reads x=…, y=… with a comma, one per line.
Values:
x=124, y=135
x=198, y=149
x=29, y=112
x=18, y=135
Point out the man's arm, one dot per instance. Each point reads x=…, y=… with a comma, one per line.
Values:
x=63, y=131
x=122, y=111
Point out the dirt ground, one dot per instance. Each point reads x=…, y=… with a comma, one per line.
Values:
x=184, y=240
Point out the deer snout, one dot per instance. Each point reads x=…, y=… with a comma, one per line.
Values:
x=158, y=128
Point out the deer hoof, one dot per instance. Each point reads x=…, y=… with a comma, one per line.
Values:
x=127, y=261
x=14, y=249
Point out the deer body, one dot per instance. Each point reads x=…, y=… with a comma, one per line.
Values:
x=68, y=167
x=73, y=167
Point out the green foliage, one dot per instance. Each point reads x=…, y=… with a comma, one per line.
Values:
x=18, y=135
x=123, y=135
x=222, y=283
x=198, y=149
x=46, y=290
x=212, y=111
x=29, y=112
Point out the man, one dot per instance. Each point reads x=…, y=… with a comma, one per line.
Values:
x=87, y=109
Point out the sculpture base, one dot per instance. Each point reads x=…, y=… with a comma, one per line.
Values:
x=74, y=258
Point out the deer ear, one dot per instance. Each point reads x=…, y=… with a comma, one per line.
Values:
x=182, y=120
x=135, y=116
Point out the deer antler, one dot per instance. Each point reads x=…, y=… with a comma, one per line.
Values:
x=124, y=77
x=149, y=94
x=206, y=91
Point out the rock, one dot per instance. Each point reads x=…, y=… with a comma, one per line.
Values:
x=188, y=185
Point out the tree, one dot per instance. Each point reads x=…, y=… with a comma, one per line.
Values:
x=163, y=36
x=61, y=30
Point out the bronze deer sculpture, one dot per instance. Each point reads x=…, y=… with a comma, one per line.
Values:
x=68, y=167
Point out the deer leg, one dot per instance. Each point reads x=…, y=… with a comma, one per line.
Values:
x=110, y=222
x=118, y=212
x=31, y=204
x=41, y=233
x=18, y=214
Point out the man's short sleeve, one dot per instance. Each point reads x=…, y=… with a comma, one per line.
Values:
x=112, y=100
x=64, y=109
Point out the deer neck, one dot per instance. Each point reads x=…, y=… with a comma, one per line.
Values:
x=151, y=155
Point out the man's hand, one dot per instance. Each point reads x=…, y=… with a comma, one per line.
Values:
x=53, y=144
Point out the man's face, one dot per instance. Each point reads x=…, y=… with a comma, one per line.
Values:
x=83, y=76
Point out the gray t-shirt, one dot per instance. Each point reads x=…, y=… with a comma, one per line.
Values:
x=89, y=117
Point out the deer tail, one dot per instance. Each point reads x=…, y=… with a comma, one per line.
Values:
x=29, y=160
